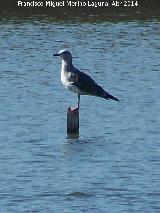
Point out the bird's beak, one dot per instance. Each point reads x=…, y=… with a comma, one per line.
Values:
x=56, y=54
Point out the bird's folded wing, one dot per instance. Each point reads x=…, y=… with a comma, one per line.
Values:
x=84, y=83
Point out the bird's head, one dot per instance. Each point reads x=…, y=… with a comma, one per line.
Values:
x=65, y=55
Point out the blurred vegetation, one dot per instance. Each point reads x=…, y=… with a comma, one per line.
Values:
x=147, y=9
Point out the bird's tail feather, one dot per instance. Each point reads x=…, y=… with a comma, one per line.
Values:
x=108, y=96
x=104, y=94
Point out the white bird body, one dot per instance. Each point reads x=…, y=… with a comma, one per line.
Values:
x=68, y=85
x=66, y=79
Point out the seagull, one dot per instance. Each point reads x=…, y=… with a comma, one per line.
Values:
x=79, y=82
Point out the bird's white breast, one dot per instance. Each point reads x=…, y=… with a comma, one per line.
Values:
x=67, y=84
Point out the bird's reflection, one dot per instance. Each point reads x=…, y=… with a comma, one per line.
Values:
x=76, y=144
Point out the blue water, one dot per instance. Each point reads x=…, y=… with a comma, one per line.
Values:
x=114, y=165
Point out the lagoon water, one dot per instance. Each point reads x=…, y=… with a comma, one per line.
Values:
x=114, y=166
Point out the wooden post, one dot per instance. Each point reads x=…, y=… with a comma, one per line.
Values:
x=73, y=122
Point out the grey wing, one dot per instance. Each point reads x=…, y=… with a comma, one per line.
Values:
x=85, y=84
x=88, y=86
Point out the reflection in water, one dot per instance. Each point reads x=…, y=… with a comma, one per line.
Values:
x=72, y=136
x=71, y=146
x=78, y=194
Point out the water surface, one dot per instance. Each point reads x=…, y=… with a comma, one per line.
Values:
x=114, y=165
